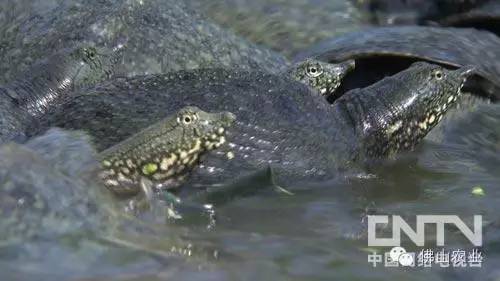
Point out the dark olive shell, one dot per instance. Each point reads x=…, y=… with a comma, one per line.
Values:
x=396, y=12
x=157, y=36
x=486, y=17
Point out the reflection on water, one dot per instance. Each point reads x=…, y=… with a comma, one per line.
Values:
x=318, y=232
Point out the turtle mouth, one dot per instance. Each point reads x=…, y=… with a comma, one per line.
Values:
x=332, y=88
x=434, y=116
x=215, y=129
x=216, y=139
x=336, y=74
x=464, y=73
x=332, y=91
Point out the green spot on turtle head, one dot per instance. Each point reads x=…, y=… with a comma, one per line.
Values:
x=149, y=169
x=478, y=191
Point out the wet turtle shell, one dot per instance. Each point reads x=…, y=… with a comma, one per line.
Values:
x=46, y=82
x=285, y=26
x=485, y=17
x=380, y=52
x=276, y=117
x=397, y=12
x=157, y=36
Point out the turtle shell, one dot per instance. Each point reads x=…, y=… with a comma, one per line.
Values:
x=156, y=36
x=380, y=52
x=399, y=12
x=284, y=26
x=486, y=17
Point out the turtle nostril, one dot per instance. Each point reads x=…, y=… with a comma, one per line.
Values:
x=228, y=117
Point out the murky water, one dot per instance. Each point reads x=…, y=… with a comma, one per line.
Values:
x=319, y=232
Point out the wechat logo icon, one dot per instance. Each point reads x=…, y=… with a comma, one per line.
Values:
x=407, y=259
x=400, y=255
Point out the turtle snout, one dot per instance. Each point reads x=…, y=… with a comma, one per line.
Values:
x=462, y=74
x=227, y=118
x=342, y=68
x=467, y=71
x=350, y=64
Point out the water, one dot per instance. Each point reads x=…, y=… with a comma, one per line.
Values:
x=318, y=233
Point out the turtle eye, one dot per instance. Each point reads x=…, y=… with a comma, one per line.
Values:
x=314, y=70
x=187, y=119
x=90, y=53
x=438, y=74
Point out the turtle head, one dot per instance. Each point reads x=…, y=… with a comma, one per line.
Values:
x=165, y=151
x=91, y=65
x=396, y=113
x=322, y=76
x=208, y=129
x=433, y=90
x=64, y=71
x=426, y=92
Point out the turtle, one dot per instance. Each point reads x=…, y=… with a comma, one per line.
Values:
x=54, y=208
x=48, y=203
x=281, y=123
x=48, y=82
x=161, y=155
x=485, y=17
x=383, y=51
x=36, y=203
x=323, y=77
x=156, y=37
x=25, y=99
x=284, y=26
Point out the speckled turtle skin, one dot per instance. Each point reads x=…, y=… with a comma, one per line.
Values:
x=276, y=118
x=26, y=99
x=51, y=78
x=164, y=153
x=321, y=76
x=159, y=36
x=486, y=17
x=451, y=47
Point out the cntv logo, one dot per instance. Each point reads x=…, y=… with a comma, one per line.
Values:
x=418, y=236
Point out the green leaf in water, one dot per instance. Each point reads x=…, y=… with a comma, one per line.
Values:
x=478, y=191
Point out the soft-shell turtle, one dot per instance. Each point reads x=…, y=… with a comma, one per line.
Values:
x=158, y=36
x=280, y=123
x=164, y=153
x=24, y=100
x=384, y=51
